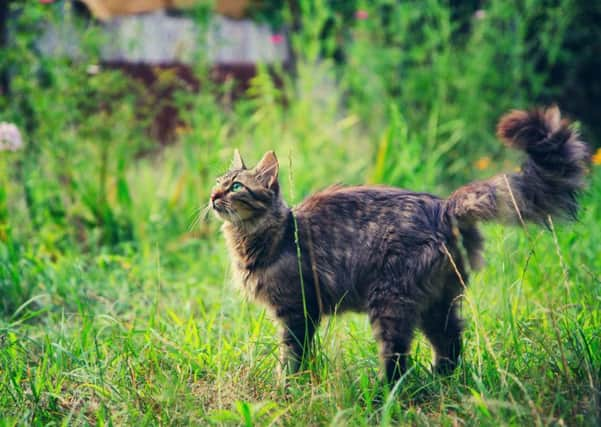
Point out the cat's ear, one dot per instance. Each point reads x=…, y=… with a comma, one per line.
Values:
x=267, y=170
x=237, y=162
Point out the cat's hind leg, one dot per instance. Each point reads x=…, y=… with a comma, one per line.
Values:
x=393, y=319
x=443, y=326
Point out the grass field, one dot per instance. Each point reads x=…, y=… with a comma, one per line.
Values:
x=117, y=305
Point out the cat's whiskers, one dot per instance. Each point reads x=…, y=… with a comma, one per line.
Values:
x=195, y=219
x=200, y=213
x=204, y=213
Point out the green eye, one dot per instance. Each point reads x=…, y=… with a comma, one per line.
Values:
x=236, y=186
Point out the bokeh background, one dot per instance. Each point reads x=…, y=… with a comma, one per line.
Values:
x=116, y=302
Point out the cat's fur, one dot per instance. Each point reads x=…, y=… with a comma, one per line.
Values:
x=395, y=254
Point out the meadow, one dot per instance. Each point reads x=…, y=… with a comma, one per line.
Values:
x=116, y=299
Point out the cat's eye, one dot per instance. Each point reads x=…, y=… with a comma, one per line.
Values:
x=236, y=186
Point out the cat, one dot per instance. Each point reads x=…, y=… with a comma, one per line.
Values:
x=398, y=255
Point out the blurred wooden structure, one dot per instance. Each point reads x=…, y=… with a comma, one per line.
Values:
x=109, y=9
x=149, y=43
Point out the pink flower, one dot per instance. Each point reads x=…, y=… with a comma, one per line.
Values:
x=361, y=14
x=46, y=1
x=10, y=137
x=480, y=14
x=277, y=38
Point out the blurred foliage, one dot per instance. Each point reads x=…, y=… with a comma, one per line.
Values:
x=422, y=101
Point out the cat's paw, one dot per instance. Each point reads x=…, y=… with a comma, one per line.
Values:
x=445, y=367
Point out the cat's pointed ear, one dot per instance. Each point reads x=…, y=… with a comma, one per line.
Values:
x=267, y=170
x=237, y=162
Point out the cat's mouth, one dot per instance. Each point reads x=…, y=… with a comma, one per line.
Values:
x=218, y=208
x=234, y=214
x=223, y=211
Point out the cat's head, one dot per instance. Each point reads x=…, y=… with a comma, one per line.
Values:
x=245, y=195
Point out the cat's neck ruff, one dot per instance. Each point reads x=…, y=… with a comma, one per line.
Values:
x=254, y=243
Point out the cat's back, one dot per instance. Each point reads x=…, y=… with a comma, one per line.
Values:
x=369, y=202
x=348, y=220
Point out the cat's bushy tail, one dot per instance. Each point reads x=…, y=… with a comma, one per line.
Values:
x=547, y=184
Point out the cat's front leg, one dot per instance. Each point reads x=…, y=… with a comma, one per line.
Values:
x=297, y=335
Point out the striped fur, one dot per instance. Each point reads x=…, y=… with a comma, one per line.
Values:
x=392, y=253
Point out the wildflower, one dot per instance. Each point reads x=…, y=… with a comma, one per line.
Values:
x=277, y=38
x=10, y=137
x=46, y=1
x=480, y=14
x=361, y=14
x=93, y=69
x=483, y=163
x=597, y=157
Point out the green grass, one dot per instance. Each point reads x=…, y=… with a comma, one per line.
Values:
x=158, y=336
x=117, y=305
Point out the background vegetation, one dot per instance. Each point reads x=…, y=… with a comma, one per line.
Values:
x=116, y=305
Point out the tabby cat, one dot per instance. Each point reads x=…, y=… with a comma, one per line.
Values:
x=396, y=254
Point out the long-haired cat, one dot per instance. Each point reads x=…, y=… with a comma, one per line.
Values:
x=395, y=254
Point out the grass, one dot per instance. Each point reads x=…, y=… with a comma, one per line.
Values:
x=116, y=299
x=159, y=337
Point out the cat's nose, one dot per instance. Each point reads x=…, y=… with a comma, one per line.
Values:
x=215, y=195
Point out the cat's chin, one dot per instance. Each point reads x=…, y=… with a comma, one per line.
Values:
x=222, y=215
x=231, y=219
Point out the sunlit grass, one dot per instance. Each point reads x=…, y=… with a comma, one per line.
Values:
x=156, y=333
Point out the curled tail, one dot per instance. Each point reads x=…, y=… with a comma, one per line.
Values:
x=549, y=181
